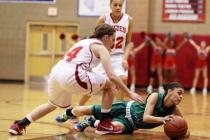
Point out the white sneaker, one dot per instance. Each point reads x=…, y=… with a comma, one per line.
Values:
x=149, y=89
x=161, y=89
x=132, y=87
x=204, y=91
x=192, y=91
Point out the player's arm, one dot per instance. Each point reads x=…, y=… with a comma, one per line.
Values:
x=148, y=117
x=192, y=42
x=100, y=20
x=101, y=52
x=164, y=42
x=138, y=48
x=181, y=44
x=128, y=47
x=208, y=49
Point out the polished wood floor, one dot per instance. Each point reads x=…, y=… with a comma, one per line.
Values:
x=16, y=100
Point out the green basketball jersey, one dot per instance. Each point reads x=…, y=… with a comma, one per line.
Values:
x=137, y=111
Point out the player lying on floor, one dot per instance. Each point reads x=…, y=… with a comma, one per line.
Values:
x=128, y=116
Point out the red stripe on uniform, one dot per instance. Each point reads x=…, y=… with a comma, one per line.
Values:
x=81, y=83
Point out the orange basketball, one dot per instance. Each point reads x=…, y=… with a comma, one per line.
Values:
x=176, y=127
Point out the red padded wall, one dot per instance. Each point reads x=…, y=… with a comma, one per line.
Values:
x=185, y=59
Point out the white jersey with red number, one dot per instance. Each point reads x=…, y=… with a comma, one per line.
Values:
x=121, y=28
x=81, y=54
x=73, y=74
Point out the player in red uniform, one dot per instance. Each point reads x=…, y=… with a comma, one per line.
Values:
x=156, y=65
x=169, y=65
x=132, y=63
x=201, y=65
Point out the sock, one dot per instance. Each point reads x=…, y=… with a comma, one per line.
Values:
x=69, y=112
x=24, y=122
x=105, y=115
x=92, y=123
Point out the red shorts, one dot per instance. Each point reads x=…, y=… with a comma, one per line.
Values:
x=200, y=64
x=169, y=63
x=156, y=61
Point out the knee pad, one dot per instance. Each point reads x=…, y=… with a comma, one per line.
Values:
x=153, y=74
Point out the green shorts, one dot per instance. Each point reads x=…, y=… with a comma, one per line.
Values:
x=118, y=113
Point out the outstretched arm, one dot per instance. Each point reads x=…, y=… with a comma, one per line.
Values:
x=192, y=42
x=138, y=48
x=148, y=117
x=208, y=48
x=128, y=45
x=181, y=44
x=101, y=52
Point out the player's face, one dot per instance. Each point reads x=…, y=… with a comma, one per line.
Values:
x=176, y=95
x=203, y=44
x=109, y=41
x=116, y=6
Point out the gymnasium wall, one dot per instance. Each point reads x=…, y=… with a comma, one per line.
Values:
x=14, y=16
x=157, y=25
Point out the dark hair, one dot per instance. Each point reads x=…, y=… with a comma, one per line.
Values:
x=112, y=1
x=103, y=29
x=171, y=86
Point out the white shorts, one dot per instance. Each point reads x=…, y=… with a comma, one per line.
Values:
x=116, y=62
x=64, y=82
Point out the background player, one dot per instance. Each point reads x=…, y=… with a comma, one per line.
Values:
x=156, y=64
x=123, y=25
x=169, y=65
x=201, y=65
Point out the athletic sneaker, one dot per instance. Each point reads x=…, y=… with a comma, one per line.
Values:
x=64, y=117
x=88, y=121
x=16, y=129
x=106, y=127
x=161, y=89
x=204, y=91
x=192, y=91
x=149, y=89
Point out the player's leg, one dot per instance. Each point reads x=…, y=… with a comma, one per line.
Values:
x=18, y=126
x=195, y=80
x=160, y=78
x=174, y=75
x=205, y=77
x=54, y=91
x=97, y=82
x=152, y=75
x=133, y=78
x=120, y=94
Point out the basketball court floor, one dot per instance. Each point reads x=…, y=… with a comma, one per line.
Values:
x=16, y=100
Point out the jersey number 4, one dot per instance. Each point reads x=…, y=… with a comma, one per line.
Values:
x=72, y=54
x=118, y=44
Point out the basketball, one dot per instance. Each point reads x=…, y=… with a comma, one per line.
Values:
x=176, y=127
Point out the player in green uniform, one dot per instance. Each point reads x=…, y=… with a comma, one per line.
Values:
x=128, y=116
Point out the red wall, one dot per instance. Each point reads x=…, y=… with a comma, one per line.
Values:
x=186, y=60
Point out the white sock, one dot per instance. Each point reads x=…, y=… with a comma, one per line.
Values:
x=105, y=110
x=29, y=118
